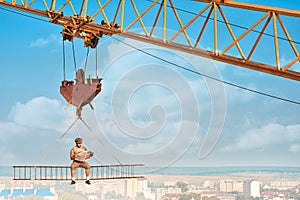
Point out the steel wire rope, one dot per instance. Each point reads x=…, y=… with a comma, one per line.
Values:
x=43, y=157
x=19, y=12
x=64, y=60
x=78, y=134
x=97, y=61
x=74, y=56
x=232, y=24
x=207, y=76
x=86, y=59
x=99, y=140
x=157, y=57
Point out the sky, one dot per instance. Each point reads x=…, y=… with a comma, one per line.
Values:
x=148, y=111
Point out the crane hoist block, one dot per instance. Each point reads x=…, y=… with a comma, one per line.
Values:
x=80, y=93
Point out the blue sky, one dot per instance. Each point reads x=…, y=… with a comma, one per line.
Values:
x=149, y=111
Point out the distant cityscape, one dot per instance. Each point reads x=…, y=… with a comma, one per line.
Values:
x=239, y=186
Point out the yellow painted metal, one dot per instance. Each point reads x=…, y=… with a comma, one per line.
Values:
x=156, y=19
x=259, y=37
x=45, y=4
x=291, y=63
x=103, y=12
x=85, y=10
x=203, y=27
x=141, y=15
x=30, y=3
x=248, y=6
x=245, y=33
x=60, y=8
x=22, y=2
x=117, y=12
x=287, y=35
x=231, y=32
x=72, y=7
x=294, y=75
x=53, y=3
x=190, y=22
x=165, y=21
x=276, y=41
x=122, y=15
x=215, y=29
x=180, y=23
x=25, y=9
x=101, y=9
x=70, y=23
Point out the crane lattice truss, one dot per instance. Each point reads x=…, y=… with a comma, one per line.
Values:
x=164, y=23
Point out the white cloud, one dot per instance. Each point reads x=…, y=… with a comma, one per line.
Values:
x=11, y=128
x=294, y=148
x=35, y=127
x=23, y=145
x=237, y=95
x=266, y=138
x=123, y=64
x=41, y=42
x=171, y=142
x=42, y=113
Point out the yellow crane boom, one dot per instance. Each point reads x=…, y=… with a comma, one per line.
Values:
x=82, y=20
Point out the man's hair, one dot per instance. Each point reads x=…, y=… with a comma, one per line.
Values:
x=78, y=140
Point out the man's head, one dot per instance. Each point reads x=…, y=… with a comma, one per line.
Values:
x=78, y=141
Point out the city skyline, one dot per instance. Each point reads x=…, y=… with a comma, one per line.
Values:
x=237, y=186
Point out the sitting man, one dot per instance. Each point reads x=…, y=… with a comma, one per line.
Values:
x=79, y=154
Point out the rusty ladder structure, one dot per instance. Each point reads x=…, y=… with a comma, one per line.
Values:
x=63, y=173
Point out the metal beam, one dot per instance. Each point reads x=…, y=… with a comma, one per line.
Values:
x=211, y=55
x=247, y=6
x=76, y=25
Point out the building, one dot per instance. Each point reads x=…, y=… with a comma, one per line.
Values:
x=251, y=189
x=255, y=189
x=230, y=186
x=131, y=188
x=47, y=193
x=247, y=189
x=209, y=184
x=142, y=184
x=161, y=193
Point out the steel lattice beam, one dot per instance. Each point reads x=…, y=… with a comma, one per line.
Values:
x=82, y=23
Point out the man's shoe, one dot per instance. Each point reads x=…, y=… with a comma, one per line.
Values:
x=73, y=182
x=88, y=182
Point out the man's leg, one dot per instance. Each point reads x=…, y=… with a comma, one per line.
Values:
x=87, y=172
x=73, y=172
